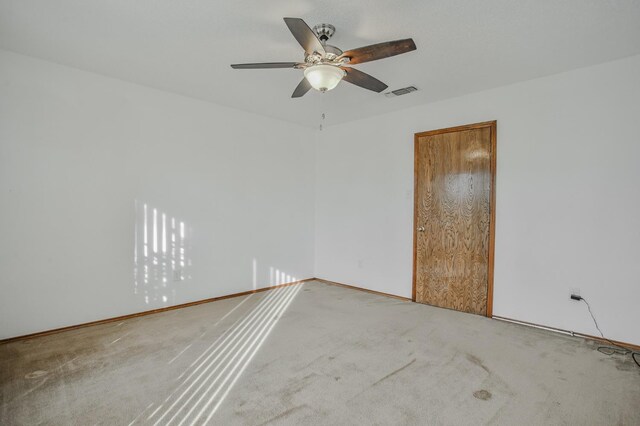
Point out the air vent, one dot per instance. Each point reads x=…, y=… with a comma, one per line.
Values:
x=400, y=92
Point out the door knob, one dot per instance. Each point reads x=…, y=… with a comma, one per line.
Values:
x=421, y=229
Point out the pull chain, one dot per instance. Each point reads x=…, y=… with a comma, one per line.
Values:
x=322, y=121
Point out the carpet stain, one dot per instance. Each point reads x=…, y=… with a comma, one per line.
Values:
x=625, y=365
x=283, y=414
x=478, y=362
x=313, y=361
x=622, y=362
x=297, y=385
x=482, y=394
x=394, y=372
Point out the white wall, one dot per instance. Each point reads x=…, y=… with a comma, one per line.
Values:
x=80, y=157
x=568, y=197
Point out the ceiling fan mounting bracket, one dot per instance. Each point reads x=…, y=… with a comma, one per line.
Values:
x=324, y=31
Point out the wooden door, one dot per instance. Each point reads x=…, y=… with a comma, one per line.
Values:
x=454, y=218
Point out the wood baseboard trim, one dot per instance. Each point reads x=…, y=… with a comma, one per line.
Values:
x=366, y=290
x=630, y=346
x=626, y=345
x=153, y=311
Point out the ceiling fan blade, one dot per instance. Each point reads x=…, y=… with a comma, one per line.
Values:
x=305, y=35
x=264, y=65
x=363, y=79
x=378, y=51
x=303, y=87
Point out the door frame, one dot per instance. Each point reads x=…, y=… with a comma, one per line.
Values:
x=493, y=126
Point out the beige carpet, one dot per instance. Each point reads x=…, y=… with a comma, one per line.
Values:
x=314, y=354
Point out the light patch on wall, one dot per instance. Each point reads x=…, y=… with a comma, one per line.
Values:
x=161, y=254
x=255, y=273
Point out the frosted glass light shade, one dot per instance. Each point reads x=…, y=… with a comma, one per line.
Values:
x=323, y=77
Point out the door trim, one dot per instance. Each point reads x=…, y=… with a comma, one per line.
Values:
x=492, y=201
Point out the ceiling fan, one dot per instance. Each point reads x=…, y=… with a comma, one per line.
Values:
x=324, y=65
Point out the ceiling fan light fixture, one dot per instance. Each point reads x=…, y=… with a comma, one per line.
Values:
x=324, y=65
x=323, y=77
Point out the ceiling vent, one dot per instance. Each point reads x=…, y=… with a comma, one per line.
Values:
x=400, y=92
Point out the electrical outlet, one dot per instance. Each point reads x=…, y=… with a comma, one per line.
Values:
x=574, y=293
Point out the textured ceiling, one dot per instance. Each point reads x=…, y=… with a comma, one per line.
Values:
x=186, y=46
